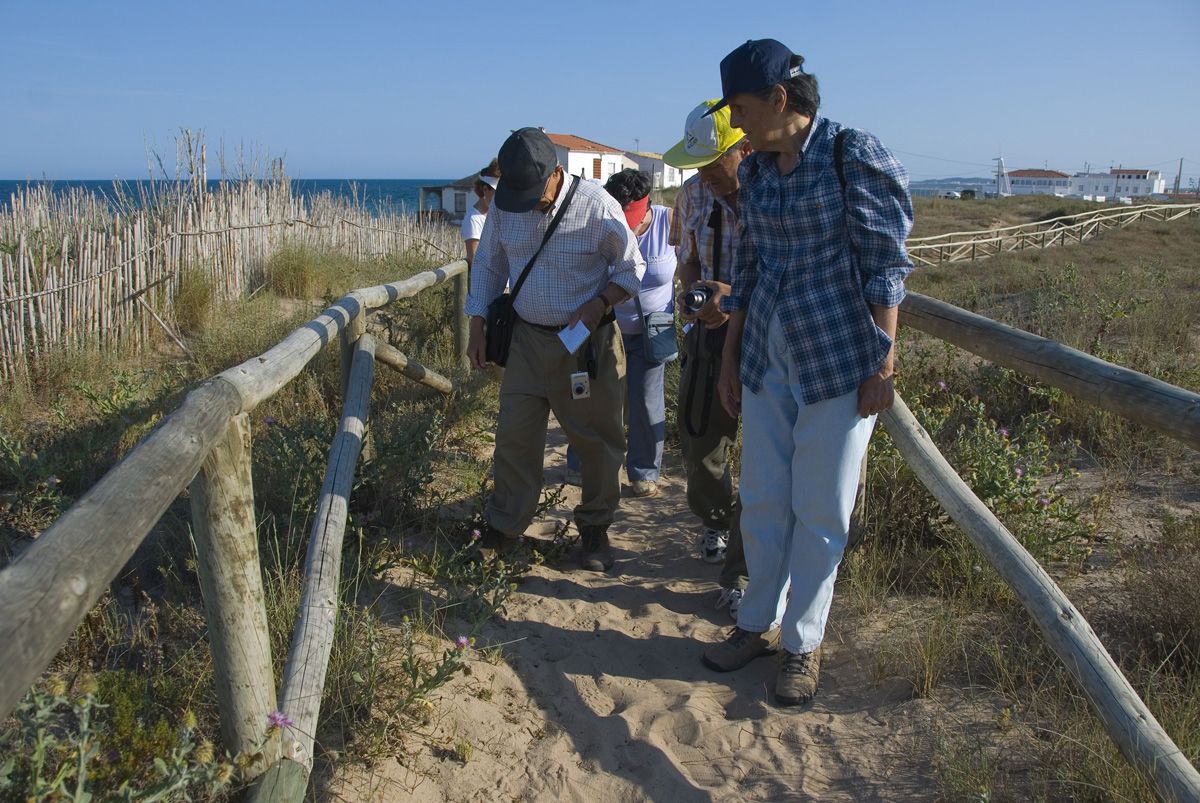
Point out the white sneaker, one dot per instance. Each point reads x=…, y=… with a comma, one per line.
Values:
x=712, y=545
x=733, y=598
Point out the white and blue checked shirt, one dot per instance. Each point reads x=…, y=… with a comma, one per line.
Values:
x=818, y=258
x=591, y=247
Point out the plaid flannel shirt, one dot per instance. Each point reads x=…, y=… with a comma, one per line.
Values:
x=691, y=232
x=818, y=258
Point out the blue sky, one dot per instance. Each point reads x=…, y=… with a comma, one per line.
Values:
x=430, y=90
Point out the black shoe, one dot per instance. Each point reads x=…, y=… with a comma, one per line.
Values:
x=492, y=542
x=594, y=552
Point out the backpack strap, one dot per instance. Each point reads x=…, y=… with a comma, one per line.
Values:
x=839, y=156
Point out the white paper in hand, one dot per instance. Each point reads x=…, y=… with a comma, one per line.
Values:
x=573, y=336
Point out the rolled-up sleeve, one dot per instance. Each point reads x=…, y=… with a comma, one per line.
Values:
x=489, y=270
x=619, y=249
x=880, y=217
x=745, y=273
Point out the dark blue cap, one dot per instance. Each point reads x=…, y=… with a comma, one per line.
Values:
x=526, y=159
x=758, y=64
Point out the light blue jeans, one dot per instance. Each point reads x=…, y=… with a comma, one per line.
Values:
x=800, y=467
x=647, y=413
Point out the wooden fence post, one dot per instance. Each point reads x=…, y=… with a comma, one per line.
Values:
x=223, y=523
x=349, y=339
x=460, y=317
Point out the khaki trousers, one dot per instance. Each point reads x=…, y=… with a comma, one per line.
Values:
x=536, y=382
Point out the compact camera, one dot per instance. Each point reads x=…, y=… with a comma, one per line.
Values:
x=581, y=385
x=696, y=298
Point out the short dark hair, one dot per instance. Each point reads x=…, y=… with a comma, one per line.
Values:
x=629, y=185
x=803, y=94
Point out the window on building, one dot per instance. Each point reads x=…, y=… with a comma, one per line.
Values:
x=460, y=202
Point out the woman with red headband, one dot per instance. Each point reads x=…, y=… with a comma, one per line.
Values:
x=644, y=369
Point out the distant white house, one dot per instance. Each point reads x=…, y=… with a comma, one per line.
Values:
x=587, y=158
x=1119, y=182
x=664, y=176
x=1039, y=182
x=451, y=199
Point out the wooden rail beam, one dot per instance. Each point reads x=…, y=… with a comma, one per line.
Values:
x=48, y=590
x=1142, y=399
x=389, y=355
x=1138, y=735
x=312, y=639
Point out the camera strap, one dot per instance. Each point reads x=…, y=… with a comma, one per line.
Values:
x=706, y=341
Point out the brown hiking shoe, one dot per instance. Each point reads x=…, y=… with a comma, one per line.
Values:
x=594, y=552
x=740, y=648
x=799, y=673
x=492, y=542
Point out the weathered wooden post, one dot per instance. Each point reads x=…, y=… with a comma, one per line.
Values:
x=349, y=339
x=460, y=317
x=223, y=523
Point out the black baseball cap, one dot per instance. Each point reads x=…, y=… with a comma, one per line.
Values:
x=526, y=159
x=758, y=64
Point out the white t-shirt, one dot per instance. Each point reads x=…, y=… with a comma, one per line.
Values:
x=472, y=225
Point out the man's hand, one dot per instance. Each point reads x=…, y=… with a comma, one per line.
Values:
x=476, y=344
x=590, y=313
x=711, y=313
x=876, y=393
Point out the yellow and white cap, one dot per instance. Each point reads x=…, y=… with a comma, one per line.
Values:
x=706, y=136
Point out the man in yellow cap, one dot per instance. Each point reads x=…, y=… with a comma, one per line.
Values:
x=704, y=228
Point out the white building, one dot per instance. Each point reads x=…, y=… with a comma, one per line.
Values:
x=1118, y=182
x=451, y=199
x=663, y=175
x=1039, y=182
x=584, y=157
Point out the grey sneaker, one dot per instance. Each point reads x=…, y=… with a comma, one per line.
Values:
x=799, y=676
x=712, y=545
x=644, y=488
x=733, y=598
x=741, y=648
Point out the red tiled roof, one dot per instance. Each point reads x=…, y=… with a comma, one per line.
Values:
x=1036, y=174
x=574, y=143
x=1119, y=170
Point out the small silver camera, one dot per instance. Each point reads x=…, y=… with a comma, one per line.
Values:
x=581, y=385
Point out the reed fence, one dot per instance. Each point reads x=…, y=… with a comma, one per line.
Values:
x=81, y=269
x=964, y=246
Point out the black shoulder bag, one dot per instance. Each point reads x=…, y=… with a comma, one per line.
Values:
x=501, y=315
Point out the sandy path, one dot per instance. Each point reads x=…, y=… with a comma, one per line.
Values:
x=602, y=696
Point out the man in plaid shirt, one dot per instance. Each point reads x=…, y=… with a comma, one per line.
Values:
x=810, y=358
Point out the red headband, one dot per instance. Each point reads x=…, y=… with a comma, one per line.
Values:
x=635, y=212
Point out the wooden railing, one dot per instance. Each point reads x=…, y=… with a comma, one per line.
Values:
x=48, y=590
x=1171, y=410
x=964, y=246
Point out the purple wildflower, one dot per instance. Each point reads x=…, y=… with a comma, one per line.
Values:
x=476, y=534
x=1003, y=431
x=278, y=719
x=1020, y=472
x=462, y=643
x=270, y=421
x=941, y=385
x=1044, y=501
x=52, y=480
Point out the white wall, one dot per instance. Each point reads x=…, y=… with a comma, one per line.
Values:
x=1049, y=185
x=580, y=162
x=1119, y=184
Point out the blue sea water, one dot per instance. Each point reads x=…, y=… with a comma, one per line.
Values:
x=378, y=194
